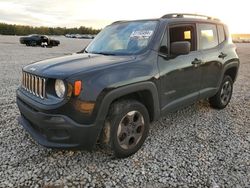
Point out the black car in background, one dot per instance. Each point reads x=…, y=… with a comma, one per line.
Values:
x=39, y=40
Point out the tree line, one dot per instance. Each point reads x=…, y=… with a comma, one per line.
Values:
x=10, y=29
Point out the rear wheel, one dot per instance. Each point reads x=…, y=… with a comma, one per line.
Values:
x=223, y=96
x=128, y=126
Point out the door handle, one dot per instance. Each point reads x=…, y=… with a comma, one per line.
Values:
x=222, y=55
x=196, y=61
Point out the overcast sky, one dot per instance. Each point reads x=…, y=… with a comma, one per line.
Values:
x=98, y=13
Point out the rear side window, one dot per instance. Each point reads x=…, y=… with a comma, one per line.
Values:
x=208, y=37
x=221, y=33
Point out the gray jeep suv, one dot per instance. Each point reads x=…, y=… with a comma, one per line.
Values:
x=132, y=73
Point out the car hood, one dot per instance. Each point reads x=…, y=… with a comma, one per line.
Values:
x=63, y=67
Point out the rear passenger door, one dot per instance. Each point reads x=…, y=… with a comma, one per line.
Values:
x=213, y=57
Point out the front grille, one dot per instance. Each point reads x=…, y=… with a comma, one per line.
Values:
x=34, y=84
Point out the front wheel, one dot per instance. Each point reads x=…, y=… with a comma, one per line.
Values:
x=223, y=96
x=128, y=127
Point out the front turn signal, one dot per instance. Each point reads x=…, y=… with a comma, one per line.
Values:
x=77, y=87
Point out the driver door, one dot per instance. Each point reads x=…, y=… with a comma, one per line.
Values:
x=180, y=76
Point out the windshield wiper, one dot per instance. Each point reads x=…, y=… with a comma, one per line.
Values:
x=103, y=53
x=82, y=51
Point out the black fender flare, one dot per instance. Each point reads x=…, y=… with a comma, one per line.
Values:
x=233, y=63
x=124, y=90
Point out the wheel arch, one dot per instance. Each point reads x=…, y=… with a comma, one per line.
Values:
x=231, y=69
x=144, y=92
x=232, y=72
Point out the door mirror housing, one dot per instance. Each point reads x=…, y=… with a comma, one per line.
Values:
x=180, y=48
x=163, y=50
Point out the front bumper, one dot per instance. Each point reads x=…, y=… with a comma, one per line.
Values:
x=57, y=131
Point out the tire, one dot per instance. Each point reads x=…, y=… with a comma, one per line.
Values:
x=126, y=128
x=223, y=96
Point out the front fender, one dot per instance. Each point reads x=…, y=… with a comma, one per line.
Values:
x=129, y=89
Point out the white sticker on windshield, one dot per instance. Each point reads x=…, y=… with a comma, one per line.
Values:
x=141, y=34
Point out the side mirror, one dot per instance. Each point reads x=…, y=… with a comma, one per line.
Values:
x=180, y=48
x=163, y=50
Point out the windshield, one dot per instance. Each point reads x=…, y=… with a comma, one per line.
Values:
x=33, y=35
x=123, y=38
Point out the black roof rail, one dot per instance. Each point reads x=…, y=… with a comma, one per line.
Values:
x=183, y=15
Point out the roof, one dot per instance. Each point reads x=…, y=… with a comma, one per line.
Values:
x=184, y=17
x=188, y=15
x=180, y=17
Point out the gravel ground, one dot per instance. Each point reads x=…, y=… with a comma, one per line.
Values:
x=194, y=147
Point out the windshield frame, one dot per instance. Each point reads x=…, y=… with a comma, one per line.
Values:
x=146, y=48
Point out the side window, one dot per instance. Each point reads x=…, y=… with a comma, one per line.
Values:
x=183, y=33
x=221, y=33
x=207, y=36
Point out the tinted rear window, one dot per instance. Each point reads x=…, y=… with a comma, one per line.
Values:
x=208, y=37
x=221, y=33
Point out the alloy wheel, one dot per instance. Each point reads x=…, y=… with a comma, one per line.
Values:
x=130, y=129
x=226, y=91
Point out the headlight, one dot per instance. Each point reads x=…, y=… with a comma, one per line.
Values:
x=60, y=88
